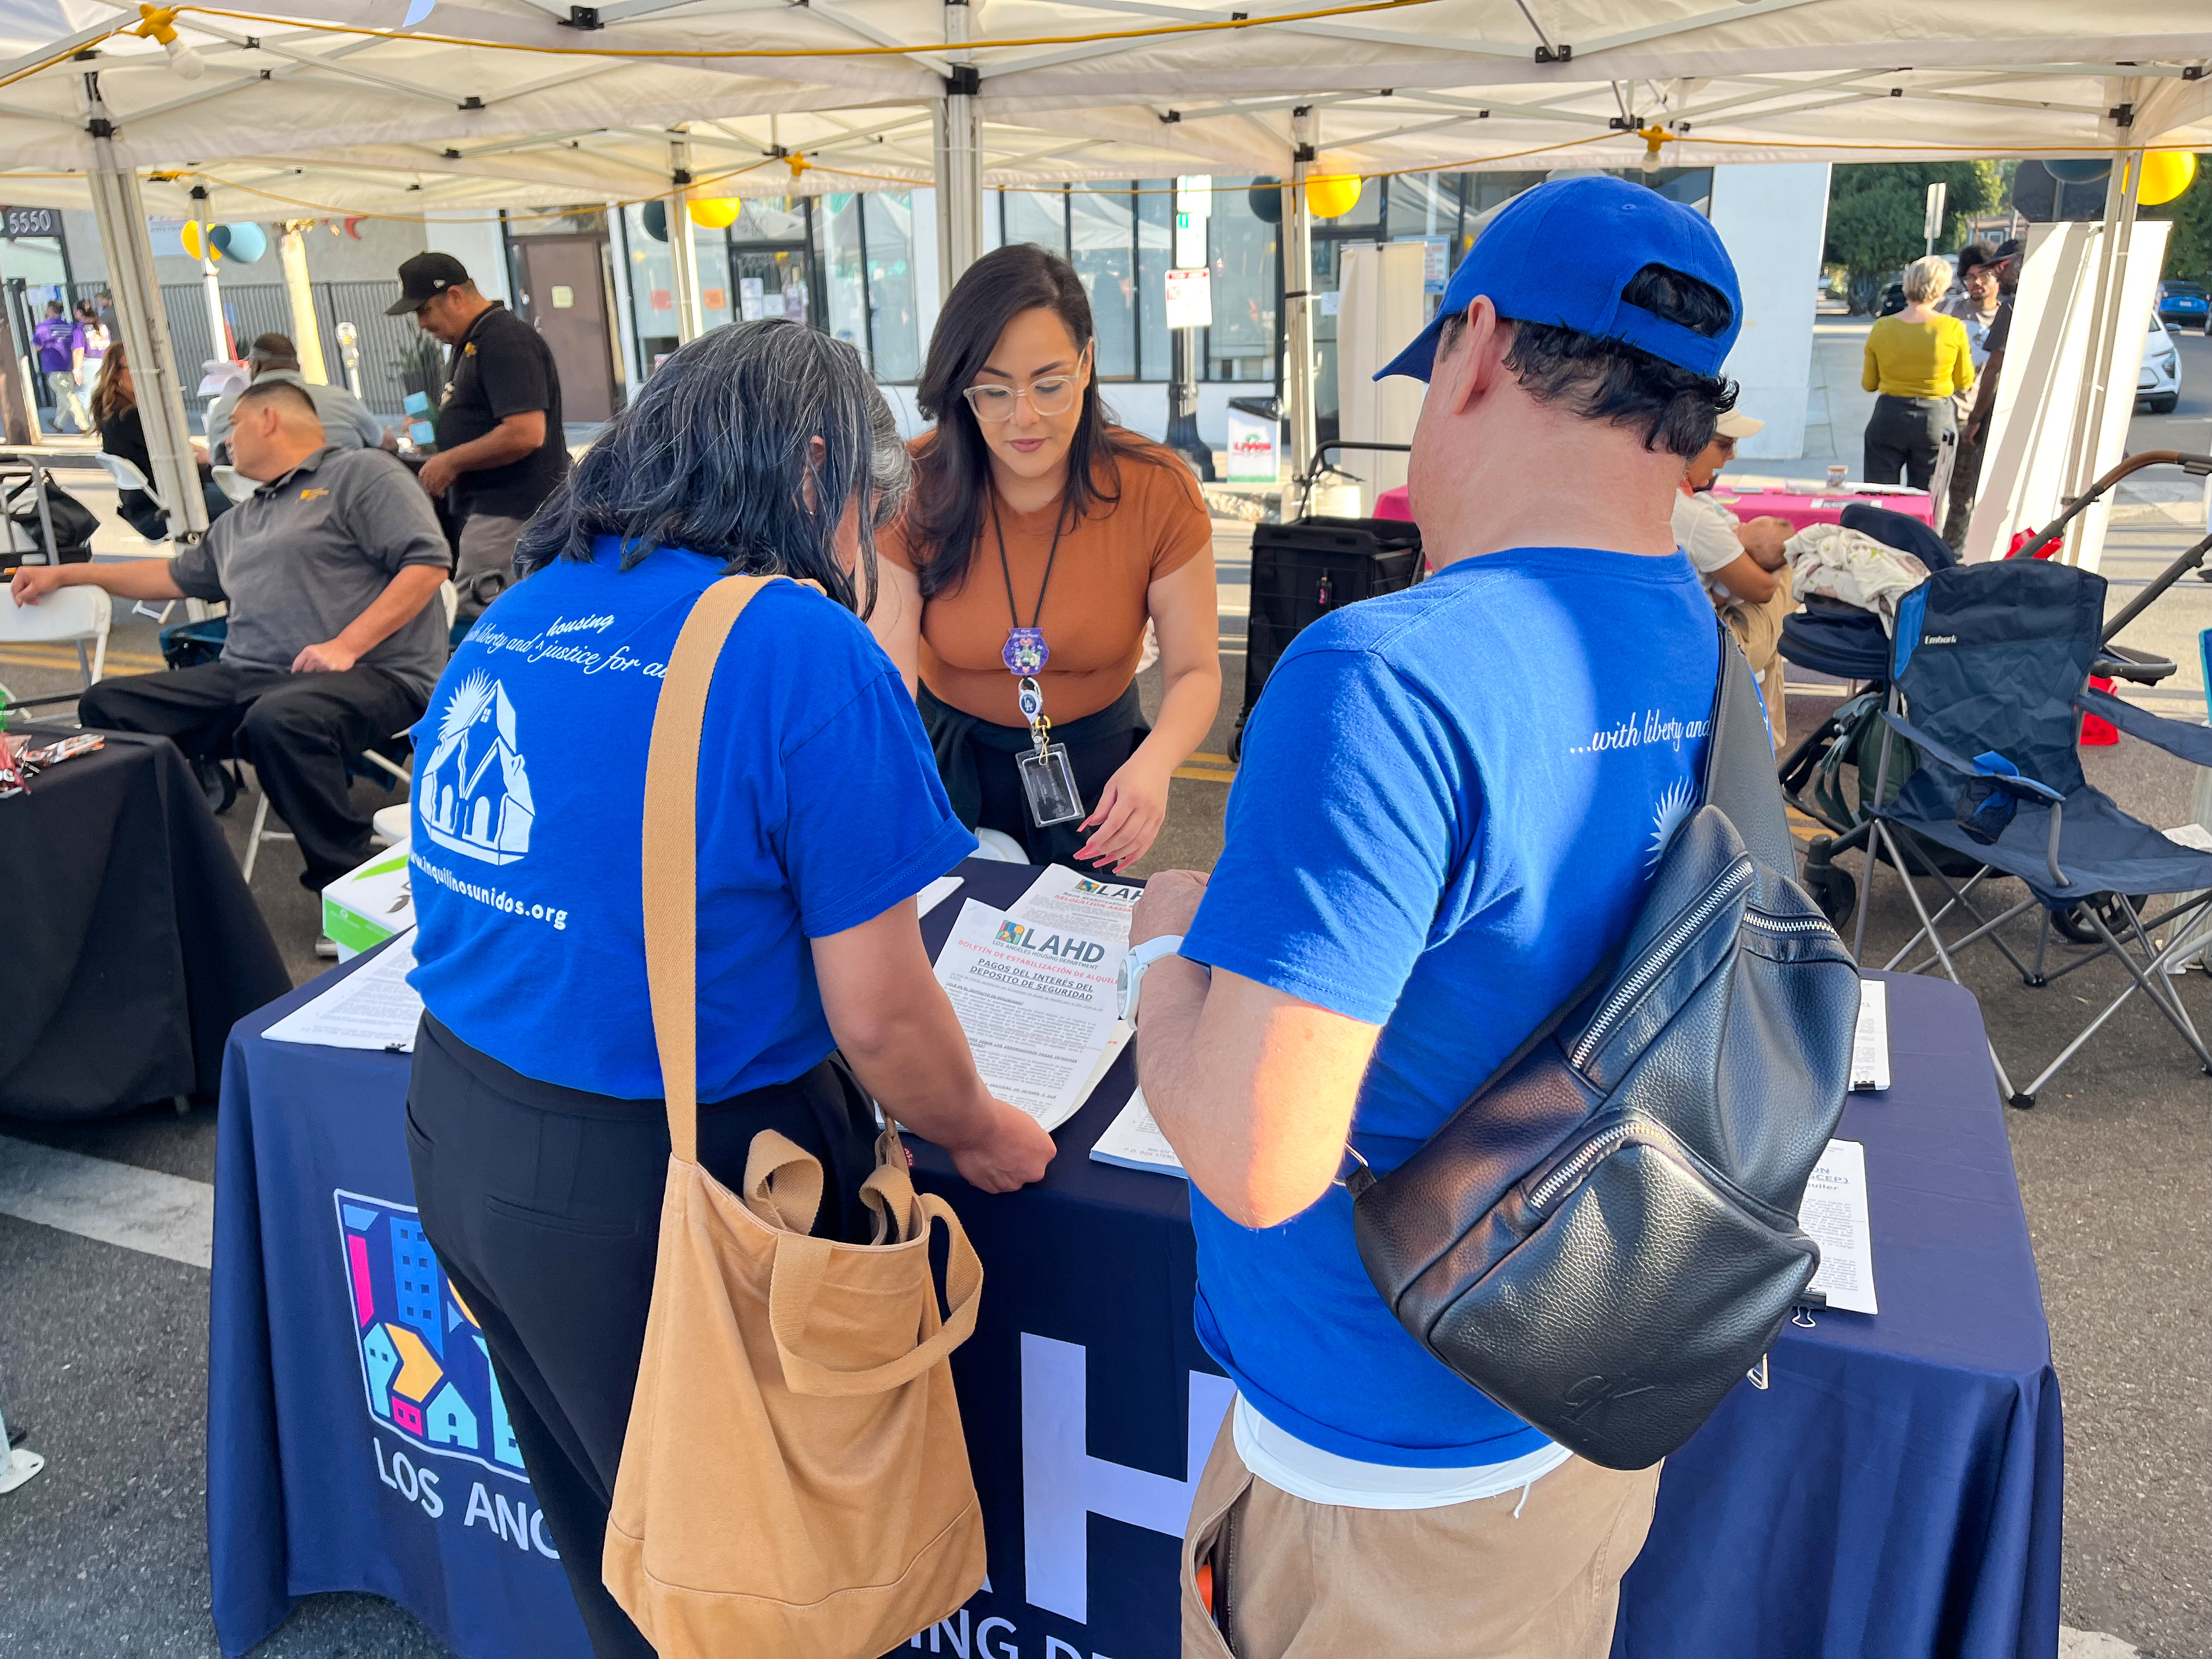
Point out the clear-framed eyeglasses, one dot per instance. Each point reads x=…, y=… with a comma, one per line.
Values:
x=1054, y=394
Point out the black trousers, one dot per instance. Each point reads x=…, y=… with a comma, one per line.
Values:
x=297, y=731
x=544, y=1205
x=1908, y=439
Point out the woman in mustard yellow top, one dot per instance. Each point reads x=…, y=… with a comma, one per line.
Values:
x=1916, y=360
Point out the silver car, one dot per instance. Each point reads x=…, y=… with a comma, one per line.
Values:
x=2159, y=385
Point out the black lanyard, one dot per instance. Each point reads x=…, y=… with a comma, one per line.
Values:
x=1007, y=570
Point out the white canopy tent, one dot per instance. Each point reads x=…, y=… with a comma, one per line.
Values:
x=408, y=106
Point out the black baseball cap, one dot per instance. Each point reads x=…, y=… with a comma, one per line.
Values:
x=425, y=277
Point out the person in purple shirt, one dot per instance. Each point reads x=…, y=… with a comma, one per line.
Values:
x=55, y=338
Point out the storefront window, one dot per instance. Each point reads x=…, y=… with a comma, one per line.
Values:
x=652, y=290
x=1241, y=345
x=894, y=319
x=716, y=305
x=1104, y=234
x=1155, y=254
x=844, y=278
x=1037, y=216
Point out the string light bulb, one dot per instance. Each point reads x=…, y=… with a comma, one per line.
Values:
x=1653, y=136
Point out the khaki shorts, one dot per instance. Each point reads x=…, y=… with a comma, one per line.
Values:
x=1310, y=1580
x=1758, y=628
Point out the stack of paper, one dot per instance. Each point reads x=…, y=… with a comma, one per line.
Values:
x=1037, y=1003
x=1870, y=1042
x=1061, y=897
x=373, y=1007
x=1835, y=1213
x=1133, y=1141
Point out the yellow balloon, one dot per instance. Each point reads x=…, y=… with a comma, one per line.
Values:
x=190, y=235
x=2166, y=174
x=1330, y=196
x=717, y=215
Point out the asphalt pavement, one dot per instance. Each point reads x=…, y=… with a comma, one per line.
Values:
x=102, y=1348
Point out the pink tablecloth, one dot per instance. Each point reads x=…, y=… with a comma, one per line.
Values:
x=1825, y=507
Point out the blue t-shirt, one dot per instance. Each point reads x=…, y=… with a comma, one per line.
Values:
x=820, y=809
x=1450, y=803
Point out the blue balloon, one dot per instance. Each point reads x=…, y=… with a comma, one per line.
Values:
x=1266, y=197
x=2080, y=172
x=243, y=242
x=656, y=218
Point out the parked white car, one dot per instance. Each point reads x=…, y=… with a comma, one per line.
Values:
x=2159, y=385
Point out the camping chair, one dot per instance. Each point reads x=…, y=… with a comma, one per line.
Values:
x=389, y=758
x=1990, y=676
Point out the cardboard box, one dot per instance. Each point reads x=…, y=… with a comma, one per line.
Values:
x=368, y=905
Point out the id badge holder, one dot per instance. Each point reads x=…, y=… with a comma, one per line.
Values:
x=1047, y=777
x=1049, y=783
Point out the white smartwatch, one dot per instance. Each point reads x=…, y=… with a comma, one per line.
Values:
x=1141, y=956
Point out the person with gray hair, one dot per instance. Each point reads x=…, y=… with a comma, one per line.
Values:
x=346, y=422
x=536, y=1131
x=1916, y=361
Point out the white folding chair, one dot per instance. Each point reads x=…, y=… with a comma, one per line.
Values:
x=68, y=615
x=126, y=474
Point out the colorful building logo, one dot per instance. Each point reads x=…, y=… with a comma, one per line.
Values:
x=423, y=1362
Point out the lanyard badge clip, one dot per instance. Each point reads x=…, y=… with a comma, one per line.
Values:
x=1048, y=778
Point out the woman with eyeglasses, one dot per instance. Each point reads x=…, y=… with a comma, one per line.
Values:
x=1039, y=541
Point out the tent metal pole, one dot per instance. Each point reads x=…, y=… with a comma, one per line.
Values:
x=306, y=332
x=632, y=360
x=683, y=253
x=1298, y=299
x=120, y=206
x=210, y=288
x=957, y=153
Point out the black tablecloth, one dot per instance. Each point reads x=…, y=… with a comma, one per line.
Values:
x=130, y=943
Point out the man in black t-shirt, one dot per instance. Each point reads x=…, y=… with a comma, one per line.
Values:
x=500, y=451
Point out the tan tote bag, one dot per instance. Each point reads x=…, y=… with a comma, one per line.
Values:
x=794, y=1481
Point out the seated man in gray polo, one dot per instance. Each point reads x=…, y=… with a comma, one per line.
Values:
x=346, y=422
x=331, y=568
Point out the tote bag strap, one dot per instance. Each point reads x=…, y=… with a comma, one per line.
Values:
x=1741, y=775
x=801, y=1264
x=671, y=850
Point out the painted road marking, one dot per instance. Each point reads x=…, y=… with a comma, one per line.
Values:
x=163, y=1215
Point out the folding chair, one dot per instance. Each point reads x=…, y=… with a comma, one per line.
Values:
x=68, y=615
x=1990, y=676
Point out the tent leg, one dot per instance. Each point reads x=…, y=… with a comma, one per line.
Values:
x=682, y=252
x=119, y=205
x=957, y=150
x=1297, y=295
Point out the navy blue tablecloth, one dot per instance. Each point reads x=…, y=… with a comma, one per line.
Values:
x=1895, y=1491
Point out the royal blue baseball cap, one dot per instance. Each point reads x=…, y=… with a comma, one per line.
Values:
x=1561, y=254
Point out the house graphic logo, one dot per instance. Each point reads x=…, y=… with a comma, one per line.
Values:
x=475, y=790
x=423, y=1362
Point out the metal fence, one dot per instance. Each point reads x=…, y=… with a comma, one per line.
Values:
x=390, y=346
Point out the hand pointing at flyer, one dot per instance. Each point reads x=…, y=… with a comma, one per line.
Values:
x=1130, y=810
